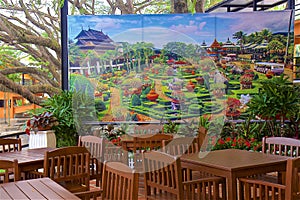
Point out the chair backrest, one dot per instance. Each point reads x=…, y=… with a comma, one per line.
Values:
x=179, y=146
x=7, y=167
x=281, y=146
x=119, y=182
x=162, y=173
x=260, y=189
x=8, y=144
x=69, y=166
x=148, y=129
x=114, y=153
x=94, y=144
x=152, y=142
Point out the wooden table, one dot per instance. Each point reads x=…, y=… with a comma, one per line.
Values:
x=232, y=164
x=28, y=159
x=127, y=141
x=43, y=188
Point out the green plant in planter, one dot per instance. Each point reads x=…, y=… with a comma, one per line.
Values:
x=63, y=106
x=171, y=127
x=277, y=99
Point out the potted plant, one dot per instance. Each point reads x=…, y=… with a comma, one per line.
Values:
x=278, y=98
x=39, y=130
x=233, y=106
x=246, y=81
x=190, y=86
x=41, y=122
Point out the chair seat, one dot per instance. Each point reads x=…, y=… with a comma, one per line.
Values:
x=73, y=187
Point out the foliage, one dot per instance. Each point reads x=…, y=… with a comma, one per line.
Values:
x=43, y=121
x=237, y=143
x=99, y=105
x=81, y=83
x=71, y=108
x=277, y=98
x=114, y=135
x=171, y=127
x=135, y=100
x=204, y=121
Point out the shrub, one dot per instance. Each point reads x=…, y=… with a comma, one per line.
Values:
x=135, y=100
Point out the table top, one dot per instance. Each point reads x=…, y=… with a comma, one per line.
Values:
x=43, y=188
x=233, y=159
x=25, y=155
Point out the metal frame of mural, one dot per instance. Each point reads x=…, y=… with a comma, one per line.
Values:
x=177, y=66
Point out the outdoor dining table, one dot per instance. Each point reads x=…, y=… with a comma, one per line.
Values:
x=28, y=159
x=232, y=164
x=42, y=188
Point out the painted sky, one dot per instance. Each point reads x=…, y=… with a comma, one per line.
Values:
x=189, y=28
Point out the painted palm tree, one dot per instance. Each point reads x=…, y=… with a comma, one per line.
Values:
x=148, y=51
x=126, y=54
x=240, y=36
x=266, y=35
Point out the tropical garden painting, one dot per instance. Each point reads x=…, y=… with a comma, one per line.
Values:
x=177, y=66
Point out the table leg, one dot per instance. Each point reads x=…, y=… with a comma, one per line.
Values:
x=231, y=187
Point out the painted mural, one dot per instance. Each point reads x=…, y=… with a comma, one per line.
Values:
x=177, y=66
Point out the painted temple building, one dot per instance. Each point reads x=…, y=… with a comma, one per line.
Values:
x=94, y=40
x=91, y=40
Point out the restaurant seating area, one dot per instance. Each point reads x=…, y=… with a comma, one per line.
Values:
x=163, y=167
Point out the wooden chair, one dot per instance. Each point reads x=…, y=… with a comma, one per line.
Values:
x=281, y=146
x=148, y=129
x=70, y=167
x=95, y=146
x=142, y=144
x=118, y=182
x=7, y=168
x=163, y=180
x=184, y=145
x=113, y=153
x=180, y=146
x=250, y=188
x=9, y=145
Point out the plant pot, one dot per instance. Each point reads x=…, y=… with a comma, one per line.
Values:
x=42, y=139
x=152, y=95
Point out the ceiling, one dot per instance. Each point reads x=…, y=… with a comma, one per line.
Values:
x=248, y=5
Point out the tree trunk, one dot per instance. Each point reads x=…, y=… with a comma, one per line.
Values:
x=199, y=7
x=180, y=6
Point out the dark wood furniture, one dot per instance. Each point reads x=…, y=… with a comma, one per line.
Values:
x=118, y=182
x=131, y=142
x=70, y=167
x=9, y=145
x=163, y=180
x=148, y=129
x=140, y=143
x=233, y=164
x=250, y=188
x=180, y=146
x=43, y=188
x=28, y=159
x=95, y=146
x=282, y=146
x=184, y=145
x=9, y=167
